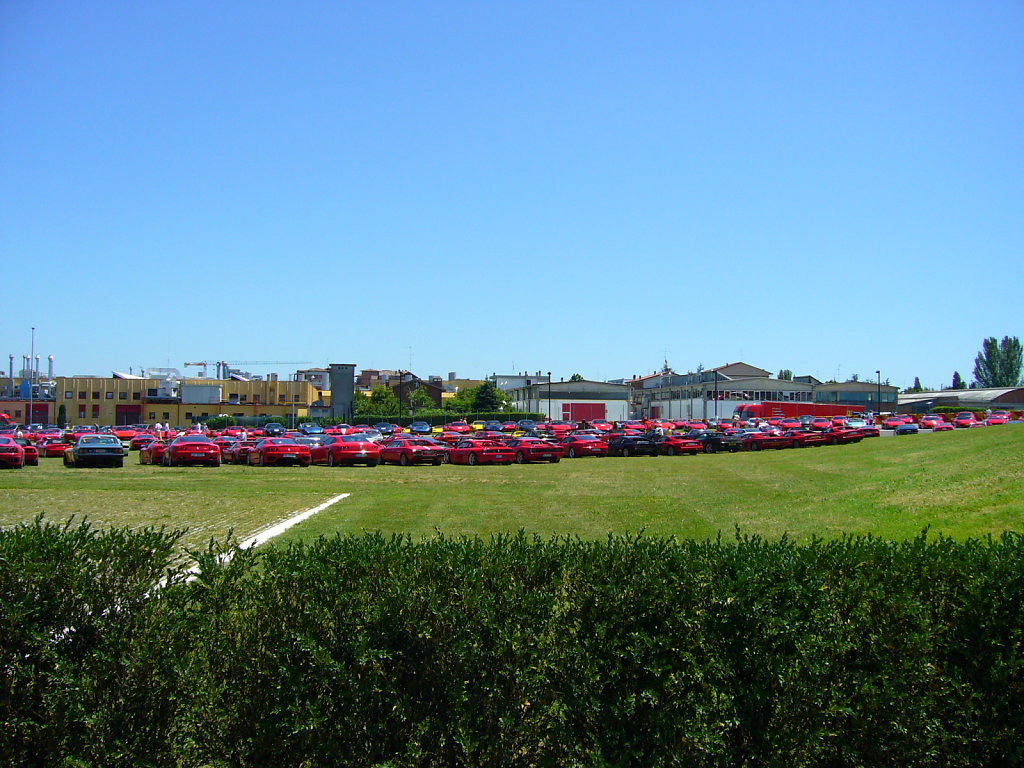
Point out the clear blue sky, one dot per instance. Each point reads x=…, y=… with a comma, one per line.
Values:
x=584, y=187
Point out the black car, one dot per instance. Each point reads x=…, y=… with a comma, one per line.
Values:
x=632, y=445
x=273, y=429
x=715, y=441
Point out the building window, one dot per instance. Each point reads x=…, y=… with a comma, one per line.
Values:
x=188, y=414
x=122, y=395
x=151, y=392
x=96, y=411
x=81, y=411
x=110, y=395
x=136, y=395
x=68, y=395
x=81, y=395
x=166, y=416
x=243, y=398
x=95, y=395
x=152, y=415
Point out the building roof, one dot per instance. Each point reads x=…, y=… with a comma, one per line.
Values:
x=980, y=396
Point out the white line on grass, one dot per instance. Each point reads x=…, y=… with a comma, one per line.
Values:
x=263, y=536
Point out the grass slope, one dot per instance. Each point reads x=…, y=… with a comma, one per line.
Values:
x=967, y=483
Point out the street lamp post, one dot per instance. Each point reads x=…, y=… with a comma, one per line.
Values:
x=549, y=395
x=878, y=397
x=31, y=379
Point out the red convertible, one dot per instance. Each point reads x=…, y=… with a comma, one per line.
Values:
x=475, y=452
x=534, y=449
x=413, y=450
x=335, y=450
x=576, y=446
x=191, y=449
x=277, y=451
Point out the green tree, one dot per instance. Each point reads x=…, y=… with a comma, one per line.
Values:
x=419, y=399
x=785, y=375
x=998, y=364
x=576, y=377
x=381, y=402
x=958, y=382
x=916, y=387
x=488, y=398
x=62, y=416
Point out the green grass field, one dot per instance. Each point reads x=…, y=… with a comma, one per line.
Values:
x=961, y=484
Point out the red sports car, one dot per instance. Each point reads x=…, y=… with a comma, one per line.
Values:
x=998, y=417
x=842, y=435
x=964, y=419
x=803, y=438
x=757, y=441
x=53, y=447
x=459, y=427
x=278, y=451
x=892, y=422
x=31, y=452
x=140, y=439
x=152, y=452
x=943, y=426
x=534, y=449
x=577, y=446
x=481, y=452
x=191, y=449
x=238, y=453
x=412, y=450
x=12, y=455
x=603, y=424
x=790, y=423
x=677, y=445
x=929, y=421
x=335, y=450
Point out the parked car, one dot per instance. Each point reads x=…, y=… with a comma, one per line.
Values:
x=714, y=442
x=238, y=452
x=820, y=423
x=274, y=429
x=31, y=452
x=473, y=452
x=576, y=446
x=459, y=427
x=930, y=420
x=95, y=450
x=892, y=422
x=910, y=428
x=412, y=450
x=279, y=451
x=309, y=428
x=191, y=449
x=998, y=417
x=842, y=435
x=529, y=449
x=802, y=438
x=419, y=428
x=677, y=445
x=757, y=441
x=152, y=452
x=345, y=450
x=53, y=447
x=633, y=445
x=964, y=419
x=12, y=455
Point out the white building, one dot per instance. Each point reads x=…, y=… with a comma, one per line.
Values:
x=573, y=400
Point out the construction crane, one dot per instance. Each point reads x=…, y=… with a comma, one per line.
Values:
x=224, y=364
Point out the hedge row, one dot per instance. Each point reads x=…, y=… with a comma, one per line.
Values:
x=515, y=651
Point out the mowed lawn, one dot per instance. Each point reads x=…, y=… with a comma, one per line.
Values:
x=961, y=484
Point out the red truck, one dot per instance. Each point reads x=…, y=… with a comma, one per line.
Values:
x=766, y=409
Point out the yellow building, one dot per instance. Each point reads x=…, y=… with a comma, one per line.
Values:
x=132, y=400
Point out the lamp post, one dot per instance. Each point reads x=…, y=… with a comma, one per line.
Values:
x=31, y=379
x=878, y=397
x=549, y=395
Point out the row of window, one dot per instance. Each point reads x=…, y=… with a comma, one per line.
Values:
x=69, y=395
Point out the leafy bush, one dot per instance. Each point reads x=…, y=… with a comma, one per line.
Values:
x=376, y=650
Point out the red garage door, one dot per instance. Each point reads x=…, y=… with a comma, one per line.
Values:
x=583, y=411
x=129, y=414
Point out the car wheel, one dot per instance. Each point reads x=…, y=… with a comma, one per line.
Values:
x=216, y=463
x=118, y=463
x=473, y=460
x=670, y=451
x=755, y=446
x=834, y=441
x=447, y=459
x=556, y=460
x=626, y=453
x=520, y=458
x=404, y=460
x=437, y=463
x=709, y=447
x=330, y=459
x=372, y=463
x=572, y=453
x=262, y=462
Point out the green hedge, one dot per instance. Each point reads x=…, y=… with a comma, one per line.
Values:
x=514, y=651
x=434, y=417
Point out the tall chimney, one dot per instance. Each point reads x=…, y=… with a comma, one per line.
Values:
x=49, y=369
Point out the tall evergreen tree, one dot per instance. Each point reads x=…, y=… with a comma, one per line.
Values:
x=958, y=382
x=998, y=364
x=785, y=375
